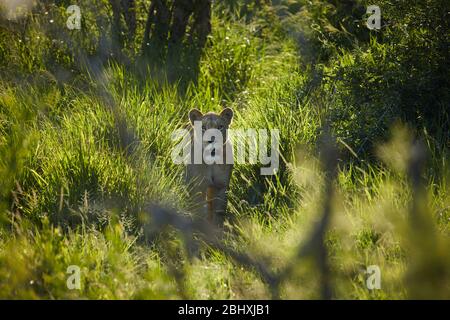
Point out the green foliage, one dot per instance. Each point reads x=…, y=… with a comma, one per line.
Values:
x=71, y=192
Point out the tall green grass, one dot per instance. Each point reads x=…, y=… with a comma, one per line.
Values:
x=72, y=195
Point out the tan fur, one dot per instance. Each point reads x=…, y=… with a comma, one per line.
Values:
x=210, y=182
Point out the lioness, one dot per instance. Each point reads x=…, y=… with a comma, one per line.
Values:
x=210, y=175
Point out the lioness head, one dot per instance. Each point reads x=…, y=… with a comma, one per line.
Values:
x=212, y=120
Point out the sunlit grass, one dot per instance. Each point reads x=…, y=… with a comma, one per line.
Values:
x=71, y=194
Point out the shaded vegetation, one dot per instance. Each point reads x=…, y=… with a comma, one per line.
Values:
x=86, y=118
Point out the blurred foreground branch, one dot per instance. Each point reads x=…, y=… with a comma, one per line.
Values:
x=195, y=230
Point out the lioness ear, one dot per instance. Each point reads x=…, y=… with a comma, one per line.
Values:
x=227, y=114
x=195, y=115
